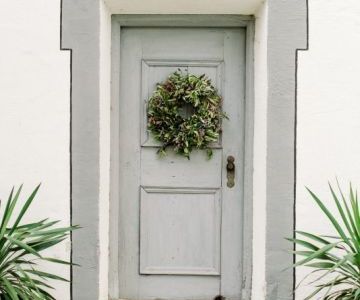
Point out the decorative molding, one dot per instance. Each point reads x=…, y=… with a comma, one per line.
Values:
x=80, y=33
x=287, y=32
x=178, y=20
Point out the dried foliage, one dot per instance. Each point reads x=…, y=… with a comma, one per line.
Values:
x=185, y=113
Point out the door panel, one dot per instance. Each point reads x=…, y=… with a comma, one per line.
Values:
x=180, y=231
x=180, y=226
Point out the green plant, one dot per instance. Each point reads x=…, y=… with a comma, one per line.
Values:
x=185, y=112
x=337, y=258
x=21, y=247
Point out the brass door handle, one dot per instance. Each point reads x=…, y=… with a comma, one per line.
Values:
x=230, y=171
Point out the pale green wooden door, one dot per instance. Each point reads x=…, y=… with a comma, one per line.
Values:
x=180, y=226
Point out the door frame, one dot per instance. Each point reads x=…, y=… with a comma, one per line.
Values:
x=83, y=28
x=229, y=21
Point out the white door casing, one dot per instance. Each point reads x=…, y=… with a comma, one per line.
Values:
x=180, y=226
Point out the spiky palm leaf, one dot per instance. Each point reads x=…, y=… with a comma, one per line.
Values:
x=337, y=257
x=21, y=246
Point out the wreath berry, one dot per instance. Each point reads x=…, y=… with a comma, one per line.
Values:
x=185, y=113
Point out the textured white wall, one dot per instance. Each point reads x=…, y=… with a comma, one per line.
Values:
x=34, y=112
x=328, y=108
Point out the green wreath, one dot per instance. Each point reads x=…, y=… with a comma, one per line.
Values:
x=185, y=113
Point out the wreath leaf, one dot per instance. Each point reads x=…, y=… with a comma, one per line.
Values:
x=193, y=96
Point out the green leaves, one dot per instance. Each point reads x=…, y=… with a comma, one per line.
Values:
x=337, y=256
x=184, y=112
x=20, y=252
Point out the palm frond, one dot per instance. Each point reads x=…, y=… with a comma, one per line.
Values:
x=336, y=257
x=21, y=247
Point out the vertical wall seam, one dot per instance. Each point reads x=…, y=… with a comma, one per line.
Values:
x=70, y=147
x=306, y=48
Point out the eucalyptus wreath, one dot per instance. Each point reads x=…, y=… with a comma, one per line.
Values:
x=184, y=112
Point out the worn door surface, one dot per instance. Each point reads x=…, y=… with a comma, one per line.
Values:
x=180, y=225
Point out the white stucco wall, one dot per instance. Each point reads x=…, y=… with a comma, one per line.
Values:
x=34, y=113
x=328, y=108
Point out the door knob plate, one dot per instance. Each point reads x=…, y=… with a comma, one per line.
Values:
x=230, y=171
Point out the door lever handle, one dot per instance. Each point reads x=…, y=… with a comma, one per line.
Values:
x=230, y=171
